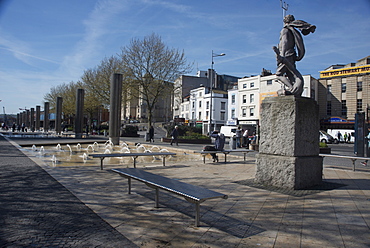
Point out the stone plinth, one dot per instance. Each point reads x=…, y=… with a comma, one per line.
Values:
x=289, y=143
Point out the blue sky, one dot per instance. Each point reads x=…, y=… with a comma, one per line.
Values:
x=44, y=43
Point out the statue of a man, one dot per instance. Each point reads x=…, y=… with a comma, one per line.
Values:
x=291, y=49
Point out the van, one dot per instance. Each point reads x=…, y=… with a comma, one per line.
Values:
x=334, y=133
x=325, y=137
x=229, y=131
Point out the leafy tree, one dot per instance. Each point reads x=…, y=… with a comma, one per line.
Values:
x=151, y=67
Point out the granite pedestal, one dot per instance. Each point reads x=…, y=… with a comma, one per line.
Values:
x=289, y=143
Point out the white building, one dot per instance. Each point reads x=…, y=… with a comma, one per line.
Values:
x=246, y=99
x=196, y=109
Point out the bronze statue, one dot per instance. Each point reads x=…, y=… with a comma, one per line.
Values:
x=291, y=49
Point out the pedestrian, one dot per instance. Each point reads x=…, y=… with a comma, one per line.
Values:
x=151, y=134
x=245, y=138
x=175, y=135
x=339, y=135
x=13, y=127
x=345, y=136
x=367, y=140
x=219, y=144
x=349, y=138
x=238, y=136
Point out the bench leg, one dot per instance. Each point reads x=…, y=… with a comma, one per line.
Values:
x=164, y=161
x=129, y=185
x=135, y=161
x=197, y=214
x=353, y=162
x=156, y=197
x=101, y=163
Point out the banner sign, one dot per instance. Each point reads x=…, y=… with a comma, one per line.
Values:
x=345, y=71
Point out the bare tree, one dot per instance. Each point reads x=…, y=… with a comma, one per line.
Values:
x=151, y=67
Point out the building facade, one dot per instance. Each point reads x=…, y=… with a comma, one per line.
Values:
x=344, y=90
x=246, y=98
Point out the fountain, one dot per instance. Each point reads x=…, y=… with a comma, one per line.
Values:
x=78, y=146
x=78, y=155
x=70, y=149
x=90, y=147
x=59, y=147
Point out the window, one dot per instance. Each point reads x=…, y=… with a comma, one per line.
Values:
x=199, y=115
x=192, y=115
x=252, y=84
x=328, y=108
x=222, y=116
x=200, y=104
x=344, y=108
x=193, y=104
x=359, y=86
x=251, y=112
x=251, y=98
x=244, y=112
x=344, y=87
x=223, y=105
x=233, y=99
x=244, y=86
x=269, y=82
x=359, y=105
x=200, y=94
x=329, y=89
x=207, y=107
x=244, y=98
x=232, y=113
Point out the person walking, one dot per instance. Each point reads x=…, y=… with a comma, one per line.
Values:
x=175, y=135
x=238, y=136
x=151, y=134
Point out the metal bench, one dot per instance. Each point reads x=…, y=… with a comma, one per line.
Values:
x=102, y=156
x=353, y=158
x=225, y=152
x=191, y=193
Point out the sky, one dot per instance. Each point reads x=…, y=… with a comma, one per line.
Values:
x=46, y=43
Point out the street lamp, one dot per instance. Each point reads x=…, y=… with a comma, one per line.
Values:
x=212, y=77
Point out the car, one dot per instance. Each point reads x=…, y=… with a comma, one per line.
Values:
x=325, y=137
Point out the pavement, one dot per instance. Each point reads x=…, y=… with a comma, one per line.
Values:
x=83, y=206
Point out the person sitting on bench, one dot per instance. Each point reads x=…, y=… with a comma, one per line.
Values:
x=219, y=144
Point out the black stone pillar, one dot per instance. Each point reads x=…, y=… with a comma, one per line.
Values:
x=37, y=124
x=46, y=116
x=79, y=113
x=32, y=125
x=58, y=116
x=115, y=107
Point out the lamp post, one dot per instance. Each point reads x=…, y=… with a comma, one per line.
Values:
x=212, y=77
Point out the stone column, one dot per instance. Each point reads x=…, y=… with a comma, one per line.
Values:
x=58, y=116
x=79, y=113
x=46, y=116
x=28, y=126
x=19, y=118
x=115, y=107
x=37, y=123
x=32, y=126
x=289, y=143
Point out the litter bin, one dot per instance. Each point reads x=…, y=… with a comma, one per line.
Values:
x=232, y=143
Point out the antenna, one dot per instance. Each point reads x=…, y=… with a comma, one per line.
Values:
x=284, y=6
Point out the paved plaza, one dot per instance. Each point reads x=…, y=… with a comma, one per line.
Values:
x=83, y=206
